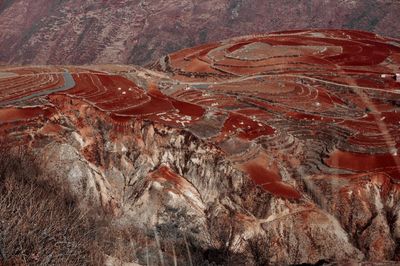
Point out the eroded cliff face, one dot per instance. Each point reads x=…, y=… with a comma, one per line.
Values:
x=157, y=178
x=271, y=149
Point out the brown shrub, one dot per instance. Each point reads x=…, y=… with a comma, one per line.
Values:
x=39, y=222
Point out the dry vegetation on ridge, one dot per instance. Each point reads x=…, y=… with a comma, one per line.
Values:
x=41, y=224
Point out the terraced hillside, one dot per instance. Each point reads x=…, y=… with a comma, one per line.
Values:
x=291, y=139
x=141, y=31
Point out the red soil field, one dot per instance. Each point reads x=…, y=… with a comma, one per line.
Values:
x=387, y=163
x=314, y=97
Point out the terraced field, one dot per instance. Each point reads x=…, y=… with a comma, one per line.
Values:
x=289, y=110
x=304, y=101
x=332, y=92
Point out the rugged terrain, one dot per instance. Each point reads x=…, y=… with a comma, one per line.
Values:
x=266, y=149
x=138, y=31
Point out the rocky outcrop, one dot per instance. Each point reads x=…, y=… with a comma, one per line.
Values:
x=140, y=188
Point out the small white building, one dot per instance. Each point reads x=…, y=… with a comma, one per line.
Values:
x=398, y=77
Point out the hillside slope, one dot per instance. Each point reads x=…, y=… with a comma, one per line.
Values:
x=265, y=149
x=138, y=32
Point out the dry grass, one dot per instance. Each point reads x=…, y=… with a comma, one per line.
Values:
x=39, y=222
